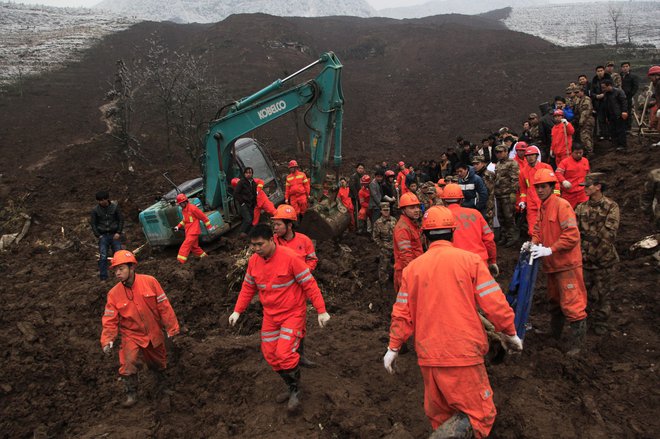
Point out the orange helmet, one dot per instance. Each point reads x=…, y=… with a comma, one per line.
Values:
x=521, y=146
x=234, y=181
x=181, y=198
x=439, y=191
x=408, y=199
x=545, y=176
x=259, y=182
x=531, y=150
x=442, y=182
x=123, y=257
x=293, y=164
x=285, y=212
x=365, y=179
x=438, y=217
x=452, y=192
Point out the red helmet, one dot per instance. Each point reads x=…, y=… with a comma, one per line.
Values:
x=531, y=150
x=402, y=163
x=365, y=179
x=521, y=146
x=285, y=212
x=123, y=257
x=389, y=173
x=452, y=192
x=545, y=175
x=442, y=182
x=259, y=182
x=408, y=199
x=234, y=181
x=181, y=198
x=558, y=112
x=293, y=164
x=654, y=70
x=438, y=217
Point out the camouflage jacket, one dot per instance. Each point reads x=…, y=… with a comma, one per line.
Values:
x=383, y=231
x=489, y=180
x=506, y=178
x=534, y=134
x=598, y=222
x=585, y=110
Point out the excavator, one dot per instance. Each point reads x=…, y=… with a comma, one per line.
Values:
x=227, y=153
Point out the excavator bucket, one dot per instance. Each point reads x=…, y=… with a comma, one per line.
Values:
x=326, y=219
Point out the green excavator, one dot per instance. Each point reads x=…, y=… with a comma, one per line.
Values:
x=227, y=153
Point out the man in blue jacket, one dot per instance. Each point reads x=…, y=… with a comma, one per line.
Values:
x=474, y=189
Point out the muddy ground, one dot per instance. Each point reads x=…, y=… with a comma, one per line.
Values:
x=424, y=82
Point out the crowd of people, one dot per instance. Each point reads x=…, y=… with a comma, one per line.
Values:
x=435, y=224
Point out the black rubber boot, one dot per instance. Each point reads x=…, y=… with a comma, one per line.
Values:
x=304, y=361
x=162, y=384
x=456, y=427
x=557, y=321
x=130, y=387
x=292, y=379
x=578, y=334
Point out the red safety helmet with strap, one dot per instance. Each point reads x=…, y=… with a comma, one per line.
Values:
x=285, y=212
x=531, y=150
x=521, y=146
x=389, y=173
x=654, y=70
x=259, y=182
x=452, y=192
x=558, y=112
x=545, y=175
x=365, y=179
x=123, y=257
x=234, y=181
x=181, y=198
x=438, y=217
x=408, y=199
x=293, y=164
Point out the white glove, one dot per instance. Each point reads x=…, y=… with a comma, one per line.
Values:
x=494, y=270
x=233, y=318
x=176, y=228
x=323, y=319
x=657, y=114
x=522, y=205
x=388, y=360
x=526, y=246
x=107, y=349
x=564, y=121
x=552, y=154
x=512, y=342
x=567, y=184
x=539, y=251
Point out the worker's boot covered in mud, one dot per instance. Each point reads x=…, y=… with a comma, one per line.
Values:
x=292, y=379
x=304, y=361
x=456, y=427
x=557, y=321
x=130, y=387
x=162, y=384
x=578, y=335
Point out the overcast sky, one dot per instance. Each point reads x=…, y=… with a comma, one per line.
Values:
x=377, y=4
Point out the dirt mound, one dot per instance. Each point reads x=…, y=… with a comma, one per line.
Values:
x=406, y=85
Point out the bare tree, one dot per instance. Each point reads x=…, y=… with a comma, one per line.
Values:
x=615, y=15
x=592, y=32
x=120, y=110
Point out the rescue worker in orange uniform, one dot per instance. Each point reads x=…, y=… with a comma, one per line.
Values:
x=137, y=309
x=407, y=237
x=284, y=234
x=344, y=195
x=263, y=203
x=363, y=197
x=521, y=149
x=297, y=188
x=556, y=239
x=283, y=282
x=529, y=201
x=442, y=289
x=401, y=179
x=571, y=172
x=472, y=231
x=562, y=137
x=191, y=218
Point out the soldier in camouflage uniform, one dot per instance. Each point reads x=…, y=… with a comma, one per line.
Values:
x=480, y=163
x=616, y=78
x=382, y=233
x=598, y=221
x=506, y=187
x=585, y=115
x=426, y=195
x=534, y=133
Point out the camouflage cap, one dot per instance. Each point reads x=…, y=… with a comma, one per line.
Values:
x=593, y=178
x=503, y=130
x=478, y=159
x=428, y=188
x=384, y=205
x=533, y=116
x=609, y=63
x=451, y=179
x=500, y=148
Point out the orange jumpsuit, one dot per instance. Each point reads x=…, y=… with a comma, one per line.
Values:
x=557, y=228
x=401, y=181
x=263, y=203
x=297, y=191
x=407, y=238
x=344, y=196
x=284, y=282
x=528, y=192
x=363, y=197
x=473, y=233
x=191, y=218
x=562, y=144
x=140, y=314
x=522, y=164
x=438, y=302
x=575, y=172
x=303, y=246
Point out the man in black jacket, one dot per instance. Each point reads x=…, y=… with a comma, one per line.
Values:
x=107, y=225
x=616, y=110
x=245, y=195
x=597, y=97
x=630, y=86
